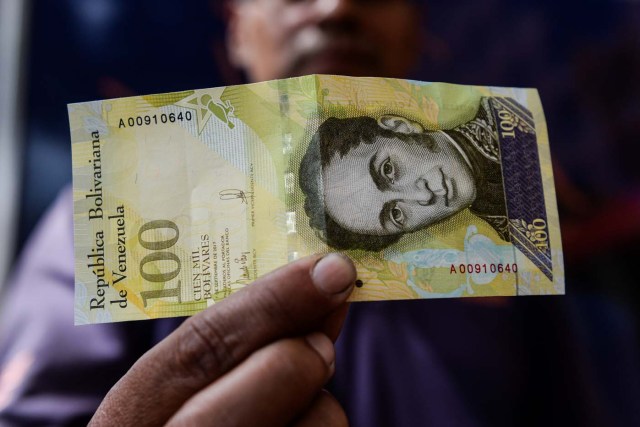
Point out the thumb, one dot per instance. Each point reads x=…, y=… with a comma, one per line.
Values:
x=291, y=301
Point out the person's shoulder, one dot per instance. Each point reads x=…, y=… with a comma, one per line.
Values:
x=50, y=246
x=55, y=229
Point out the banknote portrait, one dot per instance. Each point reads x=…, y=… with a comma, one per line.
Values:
x=369, y=181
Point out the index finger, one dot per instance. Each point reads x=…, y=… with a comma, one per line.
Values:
x=290, y=301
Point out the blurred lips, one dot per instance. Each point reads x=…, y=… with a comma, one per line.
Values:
x=326, y=55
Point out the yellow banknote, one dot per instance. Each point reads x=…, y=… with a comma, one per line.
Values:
x=434, y=190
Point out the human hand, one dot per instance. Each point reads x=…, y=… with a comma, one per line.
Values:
x=260, y=357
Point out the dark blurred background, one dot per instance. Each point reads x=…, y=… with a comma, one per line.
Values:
x=583, y=56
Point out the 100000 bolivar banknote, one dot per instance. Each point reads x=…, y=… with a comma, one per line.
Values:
x=434, y=190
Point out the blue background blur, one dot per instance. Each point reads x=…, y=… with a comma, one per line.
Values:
x=583, y=56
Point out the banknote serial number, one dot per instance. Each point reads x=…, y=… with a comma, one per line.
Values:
x=483, y=268
x=155, y=119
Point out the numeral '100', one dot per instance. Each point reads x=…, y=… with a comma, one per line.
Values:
x=159, y=254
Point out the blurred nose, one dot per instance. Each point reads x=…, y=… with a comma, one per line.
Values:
x=330, y=10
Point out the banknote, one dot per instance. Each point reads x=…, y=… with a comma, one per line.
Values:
x=434, y=190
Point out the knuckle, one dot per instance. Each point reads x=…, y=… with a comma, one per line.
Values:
x=204, y=349
x=297, y=364
x=274, y=307
x=275, y=303
x=324, y=411
x=334, y=411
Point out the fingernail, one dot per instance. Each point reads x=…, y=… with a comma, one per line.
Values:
x=333, y=274
x=323, y=345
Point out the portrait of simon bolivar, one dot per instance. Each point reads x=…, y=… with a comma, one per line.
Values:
x=369, y=181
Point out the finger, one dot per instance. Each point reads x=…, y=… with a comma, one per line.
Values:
x=290, y=373
x=332, y=324
x=290, y=301
x=325, y=411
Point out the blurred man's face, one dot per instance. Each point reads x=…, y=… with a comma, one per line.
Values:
x=273, y=39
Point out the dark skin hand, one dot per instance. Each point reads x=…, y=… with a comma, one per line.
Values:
x=260, y=357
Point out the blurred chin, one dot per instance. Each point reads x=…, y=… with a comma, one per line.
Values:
x=353, y=70
x=345, y=65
